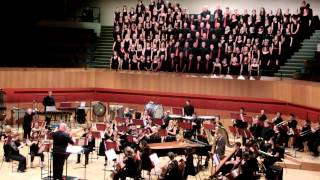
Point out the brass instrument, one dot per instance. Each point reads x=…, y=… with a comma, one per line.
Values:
x=282, y=123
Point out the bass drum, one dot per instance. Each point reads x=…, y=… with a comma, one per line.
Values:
x=154, y=110
x=99, y=109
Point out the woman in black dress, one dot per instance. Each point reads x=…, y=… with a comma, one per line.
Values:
x=234, y=67
x=224, y=67
x=115, y=61
x=245, y=67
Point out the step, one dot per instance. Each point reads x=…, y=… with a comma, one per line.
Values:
x=103, y=48
x=311, y=40
x=303, y=56
x=103, y=44
x=304, y=53
x=295, y=64
x=286, y=67
x=304, y=47
x=288, y=163
x=101, y=66
x=106, y=41
x=296, y=60
x=288, y=71
x=101, y=59
x=283, y=75
x=309, y=43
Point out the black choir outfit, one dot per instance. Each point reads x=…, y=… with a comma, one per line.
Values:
x=27, y=125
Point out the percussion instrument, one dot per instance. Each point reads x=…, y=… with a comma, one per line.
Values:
x=174, y=116
x=154, y=110
x=206, y=117
x=99, y=109
x=116, y=110
x=188, y=118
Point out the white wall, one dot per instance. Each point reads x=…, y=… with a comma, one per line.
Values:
x=195, y=6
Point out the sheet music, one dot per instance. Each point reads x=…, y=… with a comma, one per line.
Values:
x=216, y=159
x=154, y=158
x=74, y=149
x=51, y=108
x=82, y=105
x=111, y=154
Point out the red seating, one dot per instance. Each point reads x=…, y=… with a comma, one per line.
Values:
x=163, y=132
x=101, y=127
x=156, y=121
x=207, y=126
x=122, y=128
x=185, y=125
x=110, y=145
x=137, y=122
x=120, y=120
x=176, y=110
x=96, y=134
x=233, y=130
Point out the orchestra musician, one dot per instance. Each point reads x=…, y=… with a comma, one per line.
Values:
x=129, y=167
x=267, y=131
x=36, y=147
x=171, y=170
x=14, y=146
x=189, y=169
x=234, y=161
x=278, y=119
x=256, y=127
x=144, y=150
x=262, y=116
x=48, y=101
x=292, y=125
x=188, y=109
x=220, y=144
x=27, y=123
x=89, y=145
x=7, y=140
x=172, y=131
x=61, y=139
x=303, y=136
x=314, y=141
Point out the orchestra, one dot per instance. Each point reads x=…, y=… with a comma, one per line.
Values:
x=264, y=138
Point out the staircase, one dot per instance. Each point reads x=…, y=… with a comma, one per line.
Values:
x=296, y=62
x=103, y=50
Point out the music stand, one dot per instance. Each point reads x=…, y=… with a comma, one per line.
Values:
x=157, y=121
x=75, y=150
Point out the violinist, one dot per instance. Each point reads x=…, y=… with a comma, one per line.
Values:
x=144, y=150
x=235, y=160
x=14, y=153
x=171, y=170
x=128, y=167
x=304, y=135
x=7, y=140
x=35, y=147
x=172, y=131
x=89, y=145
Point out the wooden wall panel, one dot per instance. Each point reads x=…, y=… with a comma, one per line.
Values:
x=292, y=91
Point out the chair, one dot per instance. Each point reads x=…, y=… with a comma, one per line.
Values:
x=100, y=127
x=157, y=121
x=233, y=130
x=185, y=125
x=41, y=124
x=137, y=122
x=207, y=126
x=120, y=120
x=176, y=110
x=234, y=115
x=163, y=134
x=122, y=128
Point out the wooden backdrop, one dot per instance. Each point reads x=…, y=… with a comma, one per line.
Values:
x=292, y=91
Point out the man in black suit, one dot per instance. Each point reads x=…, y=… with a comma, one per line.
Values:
x=60, y=142
x=27, y=123
x=188, y=109
x=48, y=101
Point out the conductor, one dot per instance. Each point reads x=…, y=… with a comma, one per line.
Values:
x=60, y=142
